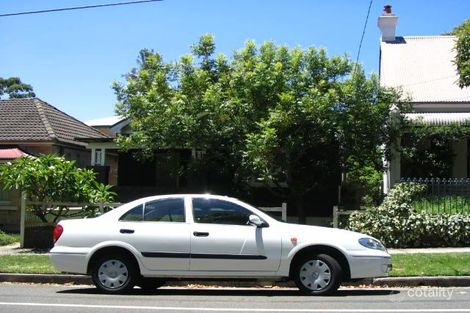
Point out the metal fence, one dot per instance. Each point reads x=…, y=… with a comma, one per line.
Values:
x=443, y=195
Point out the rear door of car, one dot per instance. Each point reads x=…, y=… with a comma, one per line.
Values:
x=222, y=239
x=159, y=231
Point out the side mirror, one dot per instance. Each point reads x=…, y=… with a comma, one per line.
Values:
x=257, y=221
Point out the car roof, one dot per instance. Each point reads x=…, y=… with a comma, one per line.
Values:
x=178, y=195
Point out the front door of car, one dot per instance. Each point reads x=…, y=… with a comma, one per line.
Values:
x=158, y=230
x=222, y=239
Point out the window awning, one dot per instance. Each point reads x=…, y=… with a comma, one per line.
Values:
x=438, y=118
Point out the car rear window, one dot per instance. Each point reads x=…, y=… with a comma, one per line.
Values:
x=134, y=215
x=165, y=210
x=215, y=211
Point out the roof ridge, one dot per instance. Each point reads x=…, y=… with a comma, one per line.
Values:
x=38, y=104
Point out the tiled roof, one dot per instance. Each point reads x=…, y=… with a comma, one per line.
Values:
x=11, y=154
x=31, y=119
x=423, y=67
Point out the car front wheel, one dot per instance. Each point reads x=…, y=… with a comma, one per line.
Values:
x=114, y=274
x=318, y=275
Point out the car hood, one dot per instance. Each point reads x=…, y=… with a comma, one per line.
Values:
x=340, y=238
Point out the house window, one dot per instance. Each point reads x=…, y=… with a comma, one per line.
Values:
x=198, y=154
x=98, y=157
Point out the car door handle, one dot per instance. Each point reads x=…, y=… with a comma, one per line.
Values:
x=200, y=234
x=126, y=231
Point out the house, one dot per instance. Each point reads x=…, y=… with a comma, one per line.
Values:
x=137, y=178
x=30, y=126
x=134, y=178
x=422, y=67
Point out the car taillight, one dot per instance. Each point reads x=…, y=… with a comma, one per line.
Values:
x=58, y=230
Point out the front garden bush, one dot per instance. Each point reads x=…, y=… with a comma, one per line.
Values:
x=50, y=179
x=7, y=239
x=397, y=224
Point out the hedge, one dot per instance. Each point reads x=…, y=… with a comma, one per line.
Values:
x=396, y=223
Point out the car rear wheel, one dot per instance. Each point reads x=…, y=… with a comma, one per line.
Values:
x=114, y=274
x=318, y=275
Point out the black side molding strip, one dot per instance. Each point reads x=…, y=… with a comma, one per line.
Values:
x=228, y=256
x=203, y=256
x=166, y=255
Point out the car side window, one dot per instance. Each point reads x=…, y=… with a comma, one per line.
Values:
x=165, y=210
x=215, y=211
x=133, y=215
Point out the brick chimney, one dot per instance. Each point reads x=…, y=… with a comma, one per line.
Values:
x=387, y=23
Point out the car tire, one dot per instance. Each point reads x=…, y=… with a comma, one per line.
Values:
x=318, y=275
x=114, y=274
x=149, y=284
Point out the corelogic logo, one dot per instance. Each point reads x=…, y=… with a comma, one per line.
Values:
x=423, y=293
x=441, y=293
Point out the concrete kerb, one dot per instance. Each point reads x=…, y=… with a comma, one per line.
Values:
x=438, y=281
x=46, y=278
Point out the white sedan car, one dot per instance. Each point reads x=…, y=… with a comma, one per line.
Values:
x=150, y=240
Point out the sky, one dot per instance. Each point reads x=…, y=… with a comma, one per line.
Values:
x=71, y=58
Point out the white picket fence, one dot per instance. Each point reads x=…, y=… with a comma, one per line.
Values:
x=282, y=209
x=337, y=212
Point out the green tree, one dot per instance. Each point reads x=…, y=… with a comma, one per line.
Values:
x=317, y=133
x=49, y=178
x=462, y=58
x=15, y=88
x=291, y=118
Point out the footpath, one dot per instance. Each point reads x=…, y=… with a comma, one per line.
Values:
x=411, y=281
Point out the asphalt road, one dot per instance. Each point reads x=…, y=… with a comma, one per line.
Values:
x=84, y=299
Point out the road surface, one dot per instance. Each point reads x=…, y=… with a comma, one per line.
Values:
x=85, y=299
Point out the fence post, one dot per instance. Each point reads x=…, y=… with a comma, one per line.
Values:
x=335, y=216
x=284, y=212
x=22, y=217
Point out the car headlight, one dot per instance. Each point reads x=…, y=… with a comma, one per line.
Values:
x=371, y=243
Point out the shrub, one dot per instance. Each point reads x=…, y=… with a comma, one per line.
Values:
x=7, y=239
x=397, y=224
x=50, y=178
x=362, y=187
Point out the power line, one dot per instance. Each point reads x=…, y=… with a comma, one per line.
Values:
x=362, y=37
x=78, y=8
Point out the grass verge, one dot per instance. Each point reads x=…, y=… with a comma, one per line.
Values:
x=26, y=264
x=439, y=264
x=435, y=264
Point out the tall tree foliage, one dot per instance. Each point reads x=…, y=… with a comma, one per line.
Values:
x=286, y=117
x=462, y=59
x=14, y=88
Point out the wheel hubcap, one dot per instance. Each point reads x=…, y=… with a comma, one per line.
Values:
x=315, y=275
x=113, y=274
